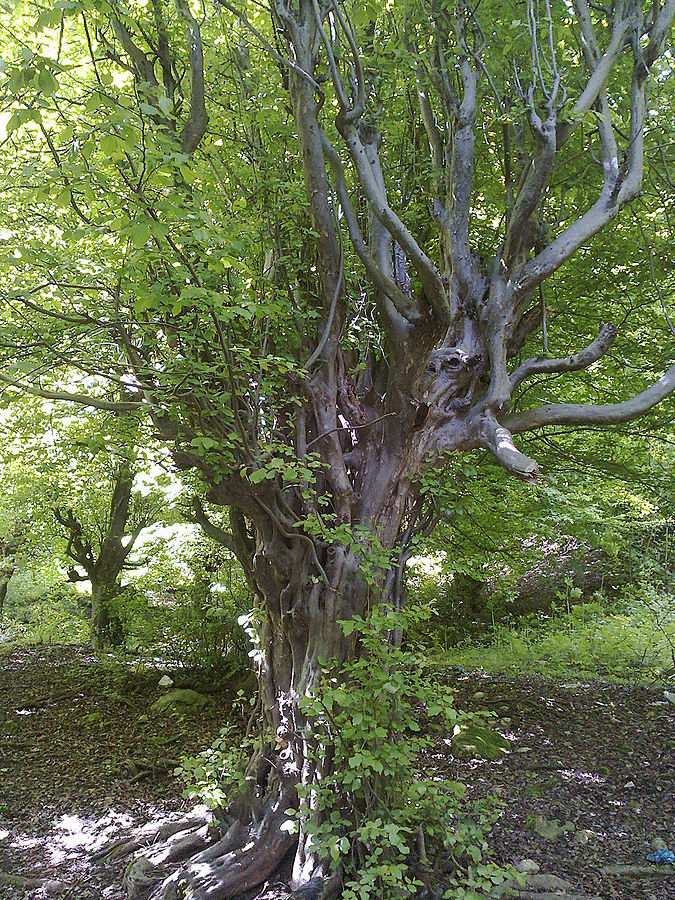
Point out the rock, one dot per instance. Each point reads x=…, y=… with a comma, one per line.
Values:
x=639, y=871
x=547, y=883
x=670, y=696
x=165, y=682
x=549, y=830
x=479, y=741
x=659, y=844
x=479, y=695
x=527, y=867
x=139, y=876
x=181, y=700
x=629, y=784
x=537, y=887
x=583, y=836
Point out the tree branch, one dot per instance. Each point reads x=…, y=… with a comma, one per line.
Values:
x=198, y=120
x=215, y=532
x=603, y=63
x=581, y=360
x=499, y=441
x=81, y=399
x=589, y=414
x=619, y=186
x=380, y=279
x=379, y=205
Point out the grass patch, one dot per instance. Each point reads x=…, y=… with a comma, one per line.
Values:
x=631, y=639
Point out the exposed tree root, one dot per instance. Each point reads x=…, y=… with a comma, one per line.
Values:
x=148, y=835
x=185, y=858
x=236, y=864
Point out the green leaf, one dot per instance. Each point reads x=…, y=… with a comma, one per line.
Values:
x=140, y=233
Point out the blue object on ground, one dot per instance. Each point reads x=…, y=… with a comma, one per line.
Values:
x=661, y=856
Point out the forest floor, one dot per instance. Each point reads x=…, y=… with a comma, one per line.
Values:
x=588, y=783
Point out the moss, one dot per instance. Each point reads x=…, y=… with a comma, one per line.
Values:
x=480, y=741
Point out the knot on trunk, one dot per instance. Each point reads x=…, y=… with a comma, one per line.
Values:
x=447, y=381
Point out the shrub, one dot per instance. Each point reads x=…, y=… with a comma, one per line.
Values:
x=631, y=638
x=58, y=615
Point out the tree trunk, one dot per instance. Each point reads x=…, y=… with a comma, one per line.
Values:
x=305, y=588
x=300, y=631
x=4, y=584
x=106, y=627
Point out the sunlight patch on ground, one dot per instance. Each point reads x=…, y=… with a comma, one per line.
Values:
x=23, y=842
x=75, y=834
x=582, y=777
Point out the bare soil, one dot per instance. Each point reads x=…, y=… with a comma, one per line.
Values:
x=82, y=762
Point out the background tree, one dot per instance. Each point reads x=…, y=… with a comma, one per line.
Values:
x=103, y=565
x=103, y=510
x=315, y=338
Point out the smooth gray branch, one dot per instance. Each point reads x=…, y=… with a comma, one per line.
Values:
x=581, y=360
x=590, y=414
x=81, y=399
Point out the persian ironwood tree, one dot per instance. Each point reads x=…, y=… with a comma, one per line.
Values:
x=316, y=336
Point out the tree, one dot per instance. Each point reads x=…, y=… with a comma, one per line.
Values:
x=103, y=565
x=316, y=339
x=8, y=550
x=95, y=460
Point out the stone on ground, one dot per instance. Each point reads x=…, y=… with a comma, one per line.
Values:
x=181, y=700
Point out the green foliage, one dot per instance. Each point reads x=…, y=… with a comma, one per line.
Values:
x=58, y=614
x=632, y=638
x=206, y=631
x=194, y=595
x=130, y=608
x=372, y=808
x=213, y=776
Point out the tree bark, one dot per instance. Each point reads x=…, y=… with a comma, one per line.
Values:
x=5, y=578
x=106, y=626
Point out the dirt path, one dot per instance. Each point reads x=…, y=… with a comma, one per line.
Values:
x=77, y=747
x=599, y=758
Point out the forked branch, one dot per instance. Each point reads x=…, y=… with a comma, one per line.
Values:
x=581, y=360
